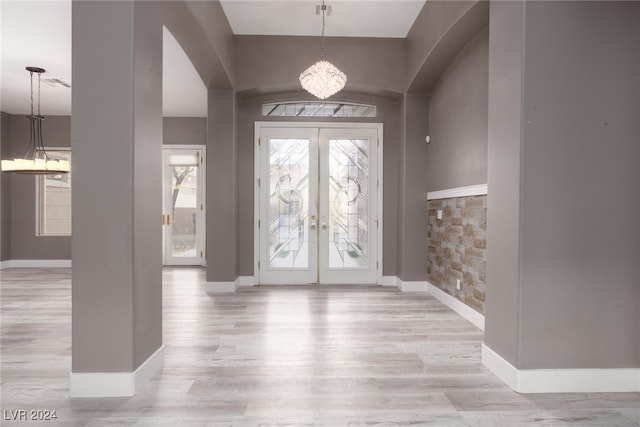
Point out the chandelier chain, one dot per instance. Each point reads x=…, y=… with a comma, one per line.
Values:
x=31, y=75
x=322, y=79
x=324, y=8
x=36, y=161
x=39, y=93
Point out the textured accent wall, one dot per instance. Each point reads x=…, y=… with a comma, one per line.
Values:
x=456, y=247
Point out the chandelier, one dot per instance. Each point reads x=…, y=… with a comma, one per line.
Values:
x=322, y=79
x=36, y=161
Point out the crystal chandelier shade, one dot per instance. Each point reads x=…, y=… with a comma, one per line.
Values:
x=36, y=161
x=323, y=79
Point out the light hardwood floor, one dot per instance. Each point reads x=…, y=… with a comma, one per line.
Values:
x=282, y=355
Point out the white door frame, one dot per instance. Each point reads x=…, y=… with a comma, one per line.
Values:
x=202, y=182
x=259, y=125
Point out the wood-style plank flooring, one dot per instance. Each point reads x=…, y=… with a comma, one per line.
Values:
x=280, y=356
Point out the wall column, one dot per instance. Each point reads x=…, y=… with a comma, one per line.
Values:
x=116, y=137
x=562, y=249
x=412, y=216
x=222, y=194
x=5, y=190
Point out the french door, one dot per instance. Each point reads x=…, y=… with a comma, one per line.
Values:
x=183, y=216
x=318, y=195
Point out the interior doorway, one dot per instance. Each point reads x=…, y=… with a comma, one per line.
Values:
x=184, y=207
x=318, y=203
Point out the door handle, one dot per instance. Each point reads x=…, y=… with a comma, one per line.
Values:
x=312, y=226
x=323, y=226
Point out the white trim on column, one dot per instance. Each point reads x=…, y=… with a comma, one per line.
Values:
x=500, y=367
x=115, y=384
x=472, y=190
x=392, y=281
x=456, y=305
x=35, y=263
x=220, y=287
x=412, y=286
x=246, y=281
x=561, y=380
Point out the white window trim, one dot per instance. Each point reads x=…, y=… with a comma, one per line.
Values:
x=38, y=231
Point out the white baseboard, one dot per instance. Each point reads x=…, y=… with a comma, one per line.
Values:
x=453, y=303
x=413, y=286
x=246, y=281
x=456, y=305
x=500, y=367
x=35, y=263
x=390, y=281
x=220, y=287
x=115, y=384
x=561, y=380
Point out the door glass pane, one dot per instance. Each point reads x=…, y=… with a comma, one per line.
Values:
x=288, y=203
x=184, y=184
x=348, y=203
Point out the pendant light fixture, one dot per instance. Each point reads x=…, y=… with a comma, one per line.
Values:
x=322, y=79
x=36, y=161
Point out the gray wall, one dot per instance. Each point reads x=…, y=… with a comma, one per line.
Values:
x=580, y=176
x=249, y=111
x=22, y=200
x=266, y=63
x=5, y=189
x=204, y=34
x=211, y=17
x=458, y=117
x=267, y=71
x=24, y=242
x=439, y=32
x=412, y=190
x=222, y=188
x=116, y=245
x=184, y=130
x=455, y=115
x=506, y=54
x=571, y=297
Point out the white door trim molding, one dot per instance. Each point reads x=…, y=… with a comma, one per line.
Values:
x=259, y=125
x=201, y=233
x=561, y=380
x=115, y=384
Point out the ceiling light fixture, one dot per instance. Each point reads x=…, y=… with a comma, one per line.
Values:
x=322, y=79
x=36, y=161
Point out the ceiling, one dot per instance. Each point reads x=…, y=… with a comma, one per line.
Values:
x=349, y=18
x=38, y=33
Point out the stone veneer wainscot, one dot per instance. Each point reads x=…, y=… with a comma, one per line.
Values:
x=457, y=246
